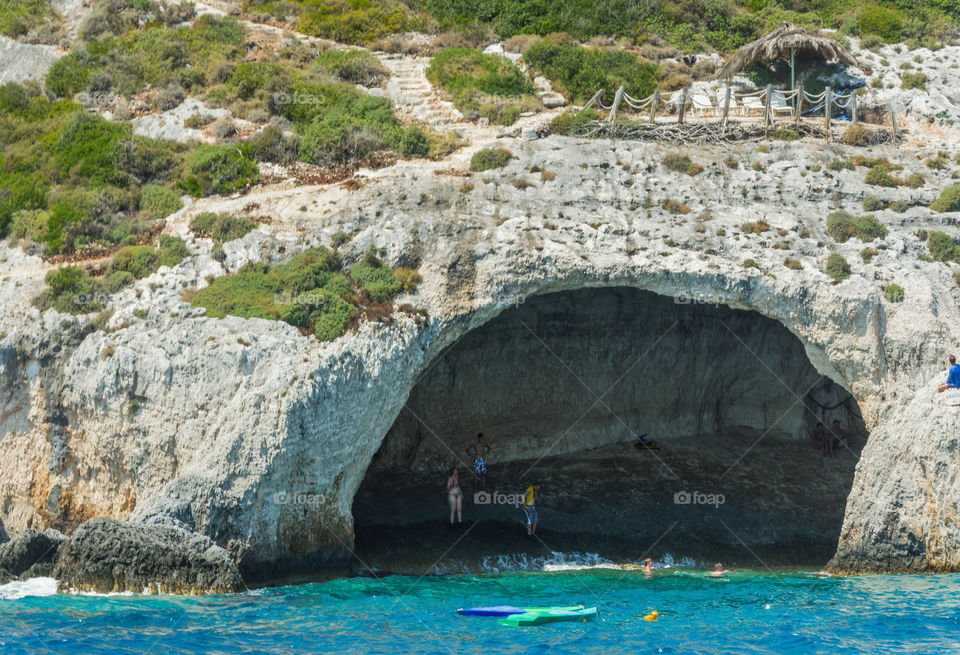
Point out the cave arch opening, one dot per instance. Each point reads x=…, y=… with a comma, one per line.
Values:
x=562, y=385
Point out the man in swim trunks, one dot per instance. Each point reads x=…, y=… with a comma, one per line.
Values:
x=953, y=377
x=530, y=509
x=478, y=451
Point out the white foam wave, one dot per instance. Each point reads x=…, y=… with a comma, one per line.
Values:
x=32, y=587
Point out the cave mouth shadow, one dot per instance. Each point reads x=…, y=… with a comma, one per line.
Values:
x=562, y=385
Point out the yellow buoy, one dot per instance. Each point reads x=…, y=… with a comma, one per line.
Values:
x=652, y=616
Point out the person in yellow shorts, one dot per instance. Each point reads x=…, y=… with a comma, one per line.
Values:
x=530, y=508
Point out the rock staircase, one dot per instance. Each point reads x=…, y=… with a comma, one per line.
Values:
x=413, y=94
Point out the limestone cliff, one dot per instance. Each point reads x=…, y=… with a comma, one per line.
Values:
x=258, y=437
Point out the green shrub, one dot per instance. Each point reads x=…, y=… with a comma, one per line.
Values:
x=490, y=158
x=913, y=81
x=581, y=72
x=271, y=145
x=899, y=206
x=750, y=263
x=942, y=247
x=681, y=163
x=838, y=268
x=354, y=66
x=379, y=281
x=63, y=226
x=36, y=18
x=867, y=228
x=349, y=21
x=949, y=200
x=118, y=280
x=872, y=204
x=414, y=142
x=159, y=201
x=71, y=291
x=221, y=227
x=248, y=293
x=307, y=292
x=867, y=254
x=69, y=75
x=885, y=22
x=913, y=181
x=338, y=139
x=879, y=176
x=141, y=261
x=333, y=318
x=483, y=85
x=893, y=293
x=219, y=169
x=840, y=164
x=571, y=122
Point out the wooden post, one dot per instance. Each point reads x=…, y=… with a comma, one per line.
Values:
x=653, y=106
x=596, y=96
x=726, y=106
x=853, y=106
x=827, y=98
x=893, y=122
x=767, y=117
x=616, y=103
x=798, y=104
x=683, y=105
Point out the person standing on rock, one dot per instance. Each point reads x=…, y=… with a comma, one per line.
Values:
x=455, y=496
x=530, y=497
x=953, y=376
x=478, y=451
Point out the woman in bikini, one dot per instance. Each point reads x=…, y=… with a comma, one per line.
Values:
x=455, y=496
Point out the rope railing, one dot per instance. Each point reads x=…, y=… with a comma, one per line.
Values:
x=725, y=101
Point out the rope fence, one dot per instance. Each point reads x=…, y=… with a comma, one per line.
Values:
x=768, y=103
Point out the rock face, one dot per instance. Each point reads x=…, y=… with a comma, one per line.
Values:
x=105, y=555
x=902, y=515
x=32, y=554
x=258, y=438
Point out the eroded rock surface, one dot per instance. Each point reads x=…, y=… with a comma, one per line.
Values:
x=237, y=421
x=105, y=555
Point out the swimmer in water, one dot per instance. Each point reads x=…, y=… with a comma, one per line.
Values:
x=718, y=571
x=648, y=566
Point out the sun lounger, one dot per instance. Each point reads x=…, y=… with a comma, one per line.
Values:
x=779, y=104
x=751, y=103
x=702, y=104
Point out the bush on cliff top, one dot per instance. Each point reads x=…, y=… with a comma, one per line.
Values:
x=221, y=227
x=309, y=292
x=838, y=268
x=949, y=200
x=580, y=72
x=490, y=158
x=483, y=85
x=842, y=225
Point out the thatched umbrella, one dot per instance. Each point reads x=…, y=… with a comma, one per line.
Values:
x=787, y=39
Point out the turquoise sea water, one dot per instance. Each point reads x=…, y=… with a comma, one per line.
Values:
x=751, y=612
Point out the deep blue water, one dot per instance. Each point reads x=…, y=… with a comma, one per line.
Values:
x=751, y=612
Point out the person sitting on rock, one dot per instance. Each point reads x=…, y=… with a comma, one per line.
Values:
x=953, y=376
x=838, y=437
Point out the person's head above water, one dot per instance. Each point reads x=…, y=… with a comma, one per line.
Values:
x=453, y=471
x=479, y=436
x=718, y=566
